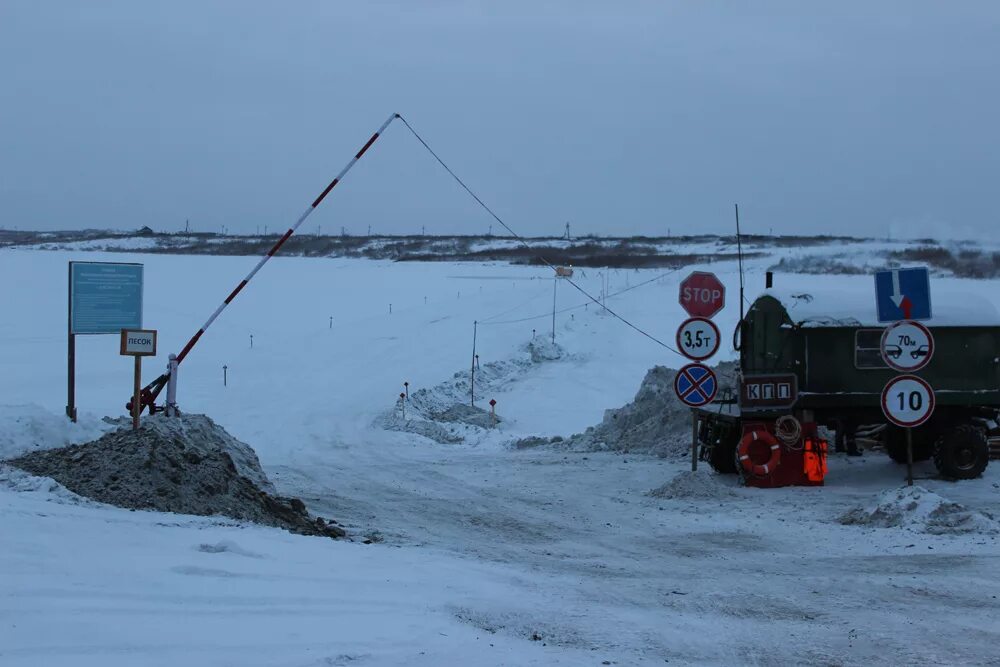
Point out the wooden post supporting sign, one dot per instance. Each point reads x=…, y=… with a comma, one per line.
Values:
x=136, y=393
x=137, y=343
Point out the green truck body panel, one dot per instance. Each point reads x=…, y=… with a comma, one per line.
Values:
x=839, y=366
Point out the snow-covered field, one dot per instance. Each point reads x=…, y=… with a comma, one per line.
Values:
x=481, y=555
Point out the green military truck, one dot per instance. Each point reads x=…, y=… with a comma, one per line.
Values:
x=814, y=354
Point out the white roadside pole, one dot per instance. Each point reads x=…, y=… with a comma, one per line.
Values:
x=171, y=407
x=137, y=343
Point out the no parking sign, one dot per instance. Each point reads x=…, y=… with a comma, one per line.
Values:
x=695, y=385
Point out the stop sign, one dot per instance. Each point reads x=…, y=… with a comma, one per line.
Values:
x=702, y=294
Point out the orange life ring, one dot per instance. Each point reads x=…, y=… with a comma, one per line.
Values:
x=743, y=453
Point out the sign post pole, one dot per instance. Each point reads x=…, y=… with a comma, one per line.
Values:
x=909, y=457
x=907, y=401
x=135, y=393
x=71, y=354
x=137, y=343
x=103, y=298
x=71, y=377
x=702, y=295
x=694, y=441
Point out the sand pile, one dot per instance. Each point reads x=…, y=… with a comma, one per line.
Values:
x=699, y=485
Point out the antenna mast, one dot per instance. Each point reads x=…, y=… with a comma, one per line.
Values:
x=739, y=254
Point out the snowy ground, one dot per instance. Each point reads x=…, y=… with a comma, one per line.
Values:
x=481, y=555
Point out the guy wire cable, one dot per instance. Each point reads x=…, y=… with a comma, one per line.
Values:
x=527, y=245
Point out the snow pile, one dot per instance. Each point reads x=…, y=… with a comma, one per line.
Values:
x=22, y=482
x=27, y=428
x=832, y=307
x=187, y=465
x=917, y=509
x=542, y=349
x=700, y=485
x=655, y=422
x=444, y=414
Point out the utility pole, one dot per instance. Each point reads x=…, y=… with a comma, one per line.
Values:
x=555, y=283
x=472, y=376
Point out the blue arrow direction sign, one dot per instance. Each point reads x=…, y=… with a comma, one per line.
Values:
x=695, y=385
x=903, y=294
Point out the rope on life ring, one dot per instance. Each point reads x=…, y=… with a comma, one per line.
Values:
x=788, y=430
x=743, y=453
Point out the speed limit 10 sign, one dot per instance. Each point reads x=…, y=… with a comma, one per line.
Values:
x=698, y=338
x=907, y=401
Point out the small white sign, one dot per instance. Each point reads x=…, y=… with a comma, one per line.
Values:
x=907, y=401
x=138, y=342
x=907, y=346
x=698, y=338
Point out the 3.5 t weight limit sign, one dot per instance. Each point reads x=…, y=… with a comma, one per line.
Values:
x=698, y=338
x=907, y=401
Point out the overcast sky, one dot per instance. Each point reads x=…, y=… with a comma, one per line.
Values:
x=868, y=118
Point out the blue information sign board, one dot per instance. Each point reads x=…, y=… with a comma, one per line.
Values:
x=104, y=297
x=903, y=294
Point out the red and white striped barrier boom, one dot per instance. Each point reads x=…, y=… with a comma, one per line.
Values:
x=150, y=393
x=281, y=241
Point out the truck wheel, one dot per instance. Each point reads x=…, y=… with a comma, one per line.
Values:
x=962, y=452
x=895, y=445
